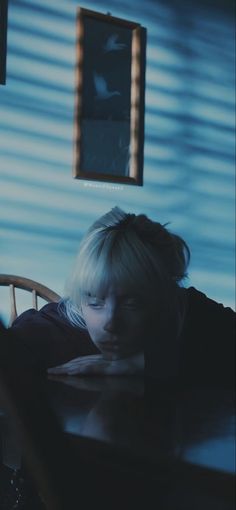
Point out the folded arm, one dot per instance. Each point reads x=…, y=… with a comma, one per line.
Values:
x=97, y=365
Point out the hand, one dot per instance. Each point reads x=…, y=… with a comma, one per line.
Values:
x=106, y=385
x=96, y=365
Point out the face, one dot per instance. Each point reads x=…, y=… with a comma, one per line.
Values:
x=116, y=322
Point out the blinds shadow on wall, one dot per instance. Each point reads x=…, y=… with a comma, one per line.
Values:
x=189, y=139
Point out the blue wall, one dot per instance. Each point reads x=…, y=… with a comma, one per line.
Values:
x=189, y=139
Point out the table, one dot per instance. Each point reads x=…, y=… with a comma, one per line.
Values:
x=164, y=446
x=180, y=440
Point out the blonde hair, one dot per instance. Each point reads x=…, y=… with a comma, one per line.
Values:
x=130, y=251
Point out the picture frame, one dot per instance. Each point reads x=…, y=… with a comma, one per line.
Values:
x=3, y=40
x=109, y=98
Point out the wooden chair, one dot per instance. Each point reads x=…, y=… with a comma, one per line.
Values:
x=37, y=290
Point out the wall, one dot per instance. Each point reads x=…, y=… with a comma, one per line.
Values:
x=189, y=139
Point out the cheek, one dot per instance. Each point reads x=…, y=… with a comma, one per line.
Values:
x=92, y=319
x=137, y=324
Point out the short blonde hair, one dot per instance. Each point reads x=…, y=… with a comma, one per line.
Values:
x=130, y=251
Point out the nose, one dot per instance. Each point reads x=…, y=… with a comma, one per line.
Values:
x=111, y=322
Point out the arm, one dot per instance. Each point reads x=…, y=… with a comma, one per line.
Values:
x=98, y=365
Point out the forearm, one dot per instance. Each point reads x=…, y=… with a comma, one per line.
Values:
x=98, y=365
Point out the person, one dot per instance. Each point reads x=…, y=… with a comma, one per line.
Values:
x=126, y=311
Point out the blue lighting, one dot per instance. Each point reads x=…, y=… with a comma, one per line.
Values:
x=189, y=150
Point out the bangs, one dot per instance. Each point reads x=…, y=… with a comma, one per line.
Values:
x=112, y=261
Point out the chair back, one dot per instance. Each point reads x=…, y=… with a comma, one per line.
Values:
x=36, y=289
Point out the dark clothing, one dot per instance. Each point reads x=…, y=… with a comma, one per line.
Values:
x=208, y=340
x=45, y=339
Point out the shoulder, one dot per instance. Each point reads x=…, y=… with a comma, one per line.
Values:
x=49, y=338
x=48, y=310
x=208, y=337
x=47, y=314
x=45, y=323
x=206, y=317
x=197, y=301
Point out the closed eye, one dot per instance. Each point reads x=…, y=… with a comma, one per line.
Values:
x=94, y=302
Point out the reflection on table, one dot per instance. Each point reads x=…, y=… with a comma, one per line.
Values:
x=192, y=425
x=173, y=444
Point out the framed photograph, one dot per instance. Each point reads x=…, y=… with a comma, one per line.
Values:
x=109, y=99
x=3, y=40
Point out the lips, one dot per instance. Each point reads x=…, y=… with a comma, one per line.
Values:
x=115, y=348
x=110, y=345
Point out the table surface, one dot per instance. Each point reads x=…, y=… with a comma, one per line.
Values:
x=192, y=426
x=161, y=431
